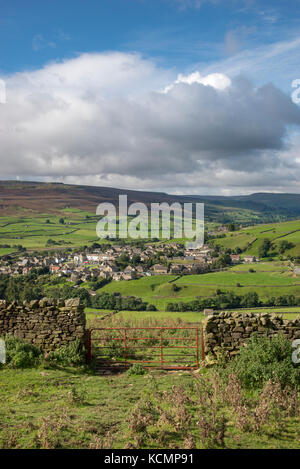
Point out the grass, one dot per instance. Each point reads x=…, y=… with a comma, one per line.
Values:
x=34, y=232
x=250, y=238
x=67, y=409
x=163, y=317
x=269, y=279
x=231, y=278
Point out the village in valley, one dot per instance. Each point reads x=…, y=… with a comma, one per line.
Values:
x=109, y=261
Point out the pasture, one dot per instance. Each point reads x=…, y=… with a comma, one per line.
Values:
x=32, y=231
x=78, y=229
x=269, y=279
x=250, y=238
x=136, y=318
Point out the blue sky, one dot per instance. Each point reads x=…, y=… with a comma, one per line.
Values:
x=111, y=59
x=178, y=34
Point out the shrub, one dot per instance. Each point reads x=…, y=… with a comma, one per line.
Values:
x=136, y=369
x=76, y=397
x=264, y=359
x=20, y=354
x=69, y=355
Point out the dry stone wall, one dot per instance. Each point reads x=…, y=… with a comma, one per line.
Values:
x=230, y=331
x=46, y=323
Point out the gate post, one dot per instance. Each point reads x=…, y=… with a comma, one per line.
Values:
x=202, y=345
x=88, y=345
x=125, y=347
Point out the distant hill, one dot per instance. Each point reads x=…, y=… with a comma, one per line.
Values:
x=24, y=198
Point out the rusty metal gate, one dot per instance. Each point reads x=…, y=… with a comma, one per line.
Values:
x=168, y=348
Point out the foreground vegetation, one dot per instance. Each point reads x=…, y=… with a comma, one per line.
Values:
x=67, y=409
x=251, y=401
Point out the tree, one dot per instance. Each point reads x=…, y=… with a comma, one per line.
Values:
x=123, y=261
x=61, y=221
x=223, y=261
x=264, y=248
x=136, y=259
x=284, y=245
x=231, y=227
x=250, y=300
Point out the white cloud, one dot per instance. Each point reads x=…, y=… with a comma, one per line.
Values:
x=99, y=119
x=215, y=80
x=276, y=62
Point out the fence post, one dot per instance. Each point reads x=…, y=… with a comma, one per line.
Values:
x=202, y=345
x=125, y=347
x=88, y=345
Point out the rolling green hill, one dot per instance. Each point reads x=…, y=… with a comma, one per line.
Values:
x=30, y=214
x=250, y=238
x=269, y=279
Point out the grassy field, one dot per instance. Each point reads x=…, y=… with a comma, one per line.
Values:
x=162, y=318
x=80, y=229
x=145, y=317
x=52, y=408
x=33, y=233
x=269, y=279
x=251, y=237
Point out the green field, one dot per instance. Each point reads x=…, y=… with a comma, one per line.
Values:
x=269, y=279
x=80, y=229
x=251, y=237
x=162, y=318
x=145, y=317
x=33, y=233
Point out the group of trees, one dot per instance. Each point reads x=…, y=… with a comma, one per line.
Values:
x=102, y=300
x=284, y=245
x=34, y=286
x=229, y=300
x=121, y=303
x=266, y=246
x=21, y=288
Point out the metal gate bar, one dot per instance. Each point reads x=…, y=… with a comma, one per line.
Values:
x=158, y=352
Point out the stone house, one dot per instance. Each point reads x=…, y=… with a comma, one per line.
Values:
x=249, y=259
x=160, y=269
x=176, y=269
x=235, y=258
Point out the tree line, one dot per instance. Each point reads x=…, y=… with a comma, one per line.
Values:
x=229, y=300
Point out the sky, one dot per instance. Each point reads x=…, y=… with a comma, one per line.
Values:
x=180, y=96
